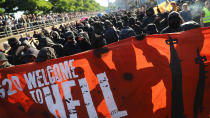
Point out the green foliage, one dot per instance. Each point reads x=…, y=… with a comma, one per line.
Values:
x=91, y=5
x=38, y=6
x=63, y=5
x=75, y=5
x=35, y=6
x=2, y=1
x=1, y=11
x=9, y=5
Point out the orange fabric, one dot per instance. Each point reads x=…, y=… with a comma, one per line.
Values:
x=163, y=7
x=166, y=7
x=138, y=73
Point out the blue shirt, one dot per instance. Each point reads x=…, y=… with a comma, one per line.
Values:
x=186, y=15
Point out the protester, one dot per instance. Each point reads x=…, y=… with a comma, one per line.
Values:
x=126, y=32
x=29, y=55
x=84, y=41
x=70, y=47
x=12, y=57
x=174, y=22
x=46, y=53
x=136, y=27
x=43, y=41
x=98, y=39
x=56, y=38
x=149, y=18
x=151, y=29
x=110, y=33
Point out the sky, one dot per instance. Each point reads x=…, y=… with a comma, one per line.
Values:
x=104, y=2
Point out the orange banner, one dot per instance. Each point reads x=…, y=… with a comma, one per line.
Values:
x=135, y=79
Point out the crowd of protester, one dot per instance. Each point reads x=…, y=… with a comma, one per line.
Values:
x=98, y=31
x=9, y=22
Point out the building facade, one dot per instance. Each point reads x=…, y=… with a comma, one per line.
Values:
x=123, y=4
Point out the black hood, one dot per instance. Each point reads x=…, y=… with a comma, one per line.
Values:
x=46, y=53
x=174, y=20
x=13, y=42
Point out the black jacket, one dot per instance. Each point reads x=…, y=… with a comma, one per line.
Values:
x=110, y=34
x=98, y=41
x=126, y=33
x=71, y=48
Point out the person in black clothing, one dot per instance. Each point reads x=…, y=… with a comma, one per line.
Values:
x=149, y=18
x=56, y=38
x=55, y=29
x=43, y=41
x=12, y=57
x=83, y=41
x=70, y=47
x=134, y=26
x=163, y=22
x=126, y=32
x=110, y=33
x=151, y=29
x=140, y=16
x=119, y=25
x=45, y=54
x=98, y=39
x=27, y=54
x=174, y=22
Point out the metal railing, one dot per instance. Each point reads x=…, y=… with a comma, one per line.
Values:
x=16, y=29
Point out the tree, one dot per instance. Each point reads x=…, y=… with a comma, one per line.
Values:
x=30, y=6
x=63, y=5
x=35, y=6
x=79, y=5
x=91, y=5
x=2, y=1
x=9, y=5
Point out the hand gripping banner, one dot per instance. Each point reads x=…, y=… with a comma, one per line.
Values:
x=162, y=76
